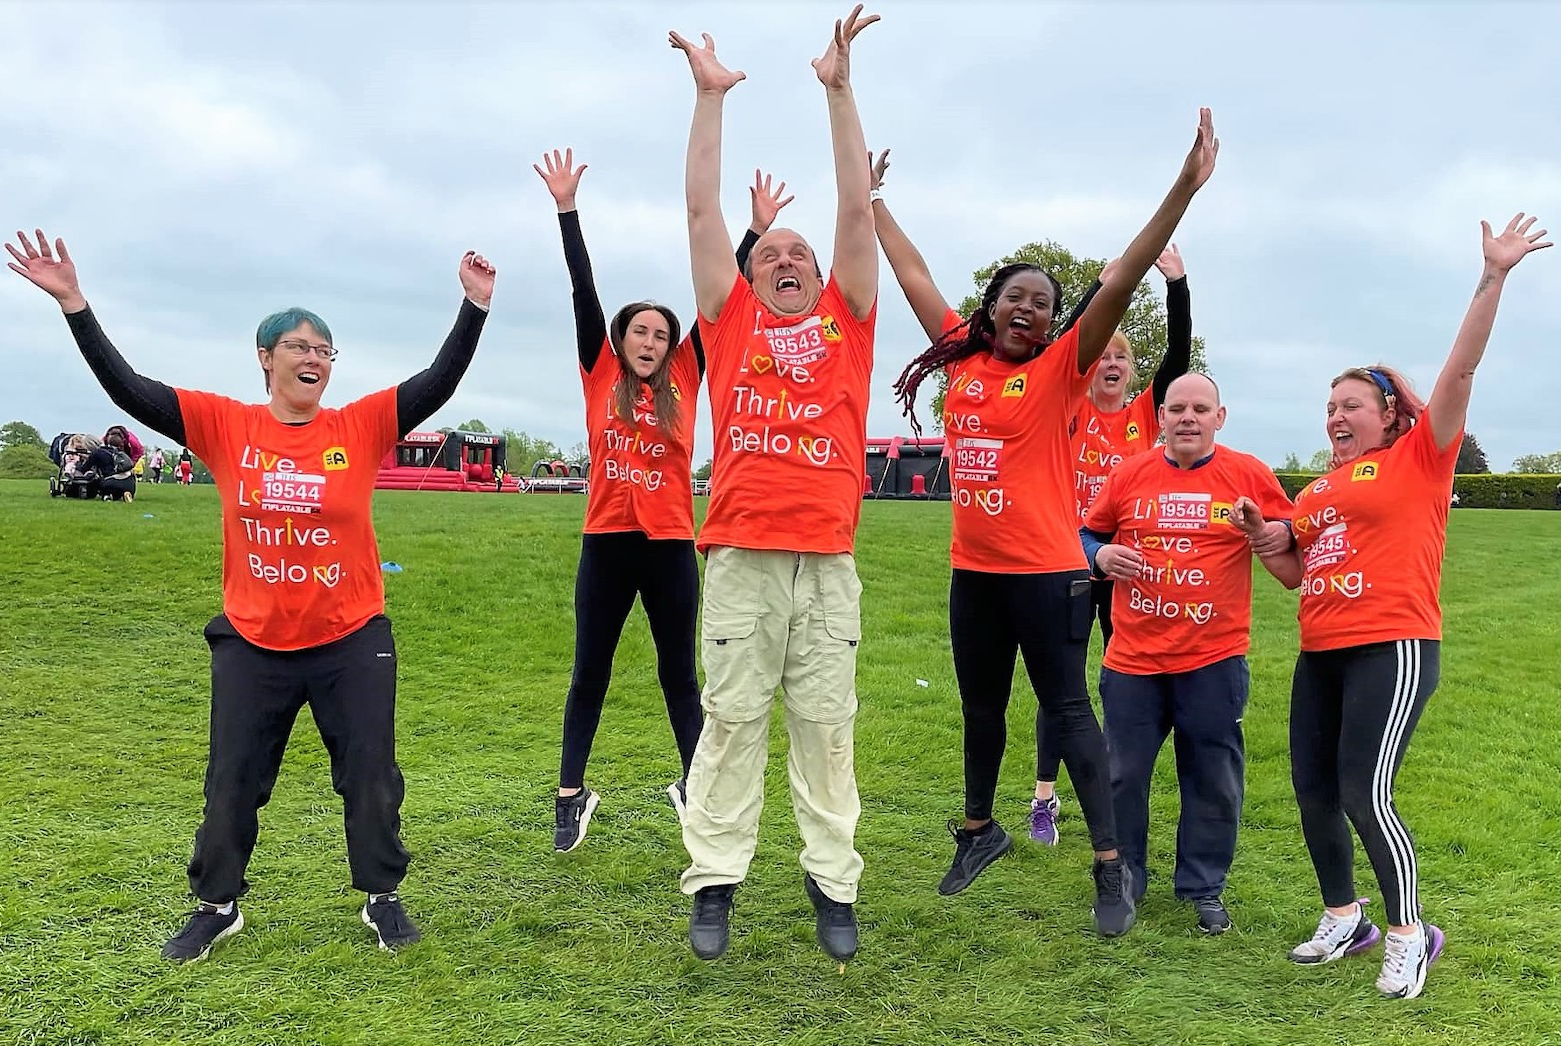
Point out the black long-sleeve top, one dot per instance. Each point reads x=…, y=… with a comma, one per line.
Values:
x=156, y=405
x=1178, y=334
x=590, y=321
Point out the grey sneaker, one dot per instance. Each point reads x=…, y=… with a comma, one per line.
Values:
x=1213, y=919
x=384, y=914
x=1115, y=910
x=973, y=851
x=709, y=924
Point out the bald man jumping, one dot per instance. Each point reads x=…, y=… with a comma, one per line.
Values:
x=1168, y=528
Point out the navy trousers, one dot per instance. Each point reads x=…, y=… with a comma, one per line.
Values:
x=1203, y=710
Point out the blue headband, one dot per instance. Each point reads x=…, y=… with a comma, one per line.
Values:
x=1382, y=383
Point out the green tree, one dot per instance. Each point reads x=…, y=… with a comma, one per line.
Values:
x=703, y=471
x=1539, y=464
x=473, y=426
x=25, y=461
x=521, y=452
x=579, y=454
x=1144, y=323
x=20, y=434
x=1320, y=462
x=1292, y=463
x=1471, y=459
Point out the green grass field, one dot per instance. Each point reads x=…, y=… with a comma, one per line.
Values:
x=103, y=713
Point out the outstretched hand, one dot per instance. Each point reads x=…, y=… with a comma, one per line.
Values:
x=1513, y=245
x=477, y=275
x=834, y=68
x=709, y=74
x=562, y=177
x=767, y=202
x=56, y=275
x=1170, y=264
x=1205, y=150
x=880, y=167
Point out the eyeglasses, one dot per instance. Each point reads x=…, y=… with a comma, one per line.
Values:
x=303, y=348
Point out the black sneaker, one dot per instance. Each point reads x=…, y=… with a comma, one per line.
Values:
x=834, y=924
x=571, y=814
x=973, y=851
x=1213, y=919
x=205, y=927
x=709, y=925
x=677, y=792
x=387, y=918
x=1114, y=908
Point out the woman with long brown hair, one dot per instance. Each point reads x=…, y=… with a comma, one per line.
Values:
x=641, y=382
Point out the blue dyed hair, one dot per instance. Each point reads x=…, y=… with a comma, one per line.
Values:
x=277, y=324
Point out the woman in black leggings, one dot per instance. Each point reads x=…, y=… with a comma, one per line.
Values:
x=1020, y=580
x=1369, y=538
x=641, y=387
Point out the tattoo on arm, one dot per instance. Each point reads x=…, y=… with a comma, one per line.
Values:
x=1485, y=282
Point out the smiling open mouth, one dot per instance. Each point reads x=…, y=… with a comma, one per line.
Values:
x=309, y=377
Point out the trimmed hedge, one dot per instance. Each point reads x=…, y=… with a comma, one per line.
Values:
x=1496, y=490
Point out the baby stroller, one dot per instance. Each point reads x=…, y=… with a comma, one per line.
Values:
x=92, y=468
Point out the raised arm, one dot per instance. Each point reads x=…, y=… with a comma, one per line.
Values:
x=1449, y=404
x=1178, y=324
x=909, y=267
x=425, y=392
x=709, y=246
x=562, y=179
x=855, y=261
x=1105, y=312
x=151, y=403
x=768, y=200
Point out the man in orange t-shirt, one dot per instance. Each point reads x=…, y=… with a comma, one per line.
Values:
x=303, y=604
x=1161, y=529
x=788, y=357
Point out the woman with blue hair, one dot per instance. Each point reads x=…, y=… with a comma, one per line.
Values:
x=303, y=604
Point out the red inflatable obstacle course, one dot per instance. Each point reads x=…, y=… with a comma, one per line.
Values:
x=456, y=460
x=907, y=467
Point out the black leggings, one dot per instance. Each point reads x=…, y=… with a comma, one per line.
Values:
x=1352, y=712
x=994, y=617
x=1048, y=755
x=256, y=694
x=613, y=569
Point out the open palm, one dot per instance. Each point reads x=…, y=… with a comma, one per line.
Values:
x=709, y=73
x=50, y=269
x=1199, y=164
x=834, y=68
x=1512, y=246
x=562, y=177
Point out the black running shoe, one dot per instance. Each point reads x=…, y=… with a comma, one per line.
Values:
x=387, y=918
x=973, y=851
x=1213, y=919
x=205, y=927
x=709, y=925
x=571, y=815
x=834, y=923
x=677, y=793
x=1114, y=907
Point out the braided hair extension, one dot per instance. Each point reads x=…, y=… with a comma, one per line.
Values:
x=976, y=334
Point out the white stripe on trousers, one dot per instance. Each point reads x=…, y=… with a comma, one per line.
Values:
x=1395, y=835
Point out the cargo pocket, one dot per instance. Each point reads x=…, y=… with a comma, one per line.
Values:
x=841, y=592
x=728, y=632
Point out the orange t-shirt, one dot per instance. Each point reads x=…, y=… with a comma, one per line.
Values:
x=641, y=478
x=300, y=566
x=1014, y=509
x=1371, y=535
x=1191, y=604
x=1101, y=442
x=788, y=397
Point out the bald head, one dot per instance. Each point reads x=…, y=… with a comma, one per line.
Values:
x=1196, y=385
x=1190, y=416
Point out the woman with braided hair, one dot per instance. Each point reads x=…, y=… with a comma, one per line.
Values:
x=1020, y=580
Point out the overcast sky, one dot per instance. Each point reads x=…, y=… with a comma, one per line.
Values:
x=210, y=163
